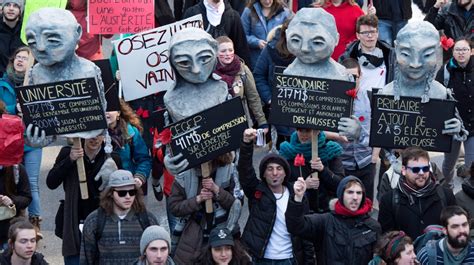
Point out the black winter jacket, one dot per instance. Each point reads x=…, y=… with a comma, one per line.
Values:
x=343, y=240
x=21, y=196
x=231, y=26
x=9, y=42
x=388, y=57
x=262, y=207
x=412, y=219
x=452, y=21
x=461, y=81
x=36, y=259
x=384, y=9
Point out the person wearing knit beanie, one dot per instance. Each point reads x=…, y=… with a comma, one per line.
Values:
x=19, y=3
x=155, y=246
x=343, y=185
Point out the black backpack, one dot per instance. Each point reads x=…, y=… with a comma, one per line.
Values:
x=101, y=216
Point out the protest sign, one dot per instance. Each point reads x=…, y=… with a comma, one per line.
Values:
x=210, y=133
x=33, y=5
x=63, y=107
x=408, y=122
x=120, y=16
x=144, y=59
x=312, y=103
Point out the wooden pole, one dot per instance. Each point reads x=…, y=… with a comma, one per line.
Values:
x=81, y=171
x=206, y=173
x=314, y=149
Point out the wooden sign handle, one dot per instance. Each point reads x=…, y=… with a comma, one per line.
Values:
x=314, y=149
x=81, y=171
x=206, y=173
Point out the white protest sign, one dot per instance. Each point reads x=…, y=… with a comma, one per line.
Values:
x=143, y=59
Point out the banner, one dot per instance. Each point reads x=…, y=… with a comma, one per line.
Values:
x=408, y=122
x=144, y=60
x=304, y=102
x=64, y=107
x=120, y=16
x=33, y=5
x=208, y=134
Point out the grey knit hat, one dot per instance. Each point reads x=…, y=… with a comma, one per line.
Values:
x=153, y=233
x=20, y=3
x=120, y=178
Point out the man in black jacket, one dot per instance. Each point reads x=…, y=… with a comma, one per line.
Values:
x=345, y=236
x=10, y=26
x=221, y=20
x=456, y=19
x=393, y=15
x=265, y=235
x=418, y=197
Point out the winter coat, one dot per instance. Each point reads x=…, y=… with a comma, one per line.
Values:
x=8, y=94
x=21, y=197
x=329, y=178
x=461, y=81
x=425, y=211
x=388, y=57
x=262, y=212
x=342, y=240
x=9, y=42
x=169, y=261
x=346, y=16
x=64, y=172
x=384, y=9
x=249, y=95
x=256, y=29
x=465, y=197
x=36, y=259
x=190, y=244
x=452, y=21
x=230, y=26
x=134, y=154
x=264, y=71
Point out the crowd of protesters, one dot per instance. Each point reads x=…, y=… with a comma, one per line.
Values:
x=319, y=212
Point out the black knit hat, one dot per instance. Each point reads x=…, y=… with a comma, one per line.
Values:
x=277, y=159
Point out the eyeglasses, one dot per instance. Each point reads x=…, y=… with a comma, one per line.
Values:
x=21, y=58
x=123, y=193
x=369, y=32
x=416, y=170
x=460, y=50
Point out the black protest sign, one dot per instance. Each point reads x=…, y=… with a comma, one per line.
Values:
x=305, y=102
x=210, y=133
x=63, y=107
x=408, y=122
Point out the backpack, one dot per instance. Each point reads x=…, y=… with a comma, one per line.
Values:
x=396, y=199
x=101, y=218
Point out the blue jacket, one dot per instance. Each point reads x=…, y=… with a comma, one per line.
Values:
x=256, y=30
x=134, y=154
x=8, y=94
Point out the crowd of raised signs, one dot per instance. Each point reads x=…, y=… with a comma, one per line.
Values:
x=312, y=199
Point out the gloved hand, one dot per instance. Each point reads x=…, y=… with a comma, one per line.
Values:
x=452, y=126
x=171, y=163
x=107, y=168
x=349, y=127
x=33, y=140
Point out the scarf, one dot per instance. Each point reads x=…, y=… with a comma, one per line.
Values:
x=340, y=209
x=228, y=72
x=326, y=150
x=412, y=192
x=370, y=60
x=449, y=258
x=214, y=15
x=116, y=136
x=15, y=78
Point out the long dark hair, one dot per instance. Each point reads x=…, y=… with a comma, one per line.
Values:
x=8, y=180
x=107, y=201
x=276, y=8
x=239, y=255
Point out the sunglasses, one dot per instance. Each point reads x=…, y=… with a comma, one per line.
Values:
x=416, y=170
x=123, y=193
